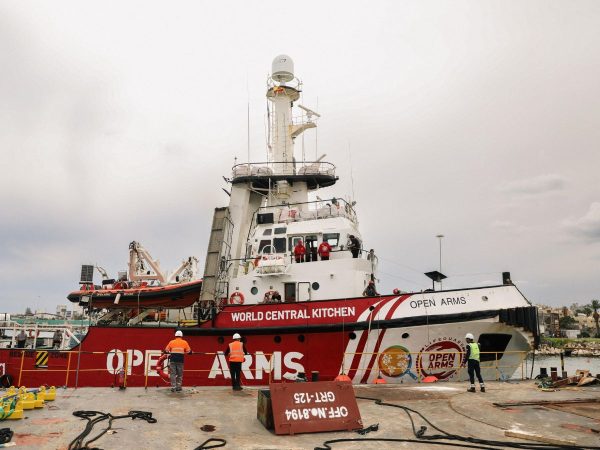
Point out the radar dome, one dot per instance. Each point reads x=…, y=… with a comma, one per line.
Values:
x=283, y=69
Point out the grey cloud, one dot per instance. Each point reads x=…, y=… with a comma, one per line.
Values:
x=537, y=185
x=586, y=227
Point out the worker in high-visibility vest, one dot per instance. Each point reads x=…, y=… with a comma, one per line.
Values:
x=473, y=363
x=177, y=348
x=237, y=353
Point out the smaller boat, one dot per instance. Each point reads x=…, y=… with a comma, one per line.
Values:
x=143, y=285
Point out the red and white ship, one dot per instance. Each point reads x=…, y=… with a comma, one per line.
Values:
x=297, y=317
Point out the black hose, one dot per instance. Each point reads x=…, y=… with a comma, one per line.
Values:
x=94, y=417
x=6, y=435
x=424, y=438
x=204, y=446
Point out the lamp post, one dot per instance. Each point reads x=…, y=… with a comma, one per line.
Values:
x=440, y=236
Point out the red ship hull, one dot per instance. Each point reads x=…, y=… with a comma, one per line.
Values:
x=362, y=337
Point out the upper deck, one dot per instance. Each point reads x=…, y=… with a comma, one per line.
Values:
x=264, y=175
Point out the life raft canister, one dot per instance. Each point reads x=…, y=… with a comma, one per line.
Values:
x=237, y=298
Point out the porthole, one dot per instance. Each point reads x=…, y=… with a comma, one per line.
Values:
x=371, y=308
x=220, y=339
x=277, y=339
x=315, y=286
x=352, y=335
x=484, y=298
x=405, y=335
x=300, y=338
x=254, y=290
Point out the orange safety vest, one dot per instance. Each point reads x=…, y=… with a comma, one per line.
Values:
x=178, y=345
x=236, y=352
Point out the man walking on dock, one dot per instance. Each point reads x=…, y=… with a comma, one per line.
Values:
x=177, y=347
x=473, y=363
x=237, y=352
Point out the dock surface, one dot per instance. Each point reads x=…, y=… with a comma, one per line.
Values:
x=563, y=415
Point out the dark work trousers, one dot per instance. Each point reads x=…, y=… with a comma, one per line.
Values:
x=355, y=252
x=473, y=369
x=176, y=373
x=236, y=369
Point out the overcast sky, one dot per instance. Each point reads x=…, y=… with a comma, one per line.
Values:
x=478, y=120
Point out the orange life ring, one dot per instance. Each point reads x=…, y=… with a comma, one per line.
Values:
x=237, y=298
x=161, y=369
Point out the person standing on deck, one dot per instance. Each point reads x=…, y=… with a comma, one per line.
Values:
x=21, y=339
x=324, y=250
x=178, y=347
x=473, y=363
x=299, y=251
x=236, y=352
x=353, y=245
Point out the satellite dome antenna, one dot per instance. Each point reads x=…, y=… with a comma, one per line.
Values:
x=282, y=69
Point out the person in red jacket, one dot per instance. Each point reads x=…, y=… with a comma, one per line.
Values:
x=324, y=250
x=299, y=251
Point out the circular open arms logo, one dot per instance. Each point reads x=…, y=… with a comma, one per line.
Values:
x=442, y=358
x=396, y=361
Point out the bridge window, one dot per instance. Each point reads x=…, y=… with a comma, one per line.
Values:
x=279, y=244
x=265, y=245
x=267, y=232
x=280, y=230
x=331, y=238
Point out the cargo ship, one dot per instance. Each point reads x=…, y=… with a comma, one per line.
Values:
x=286, y=269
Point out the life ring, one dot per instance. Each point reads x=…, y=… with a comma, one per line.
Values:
x=161, y=369
x=237, y=298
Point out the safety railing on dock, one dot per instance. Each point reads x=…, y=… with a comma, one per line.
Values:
x=395, y=364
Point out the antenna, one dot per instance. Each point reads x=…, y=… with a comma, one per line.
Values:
x=309, y=112
x=351, y=170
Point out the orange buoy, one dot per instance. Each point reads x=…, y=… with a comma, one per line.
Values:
x=343, y=377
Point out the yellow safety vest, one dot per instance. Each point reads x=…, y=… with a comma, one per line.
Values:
x=474, y=346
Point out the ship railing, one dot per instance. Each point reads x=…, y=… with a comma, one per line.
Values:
x=270, y=169
x=313, y=210
x=418, y=365
x=41, y=363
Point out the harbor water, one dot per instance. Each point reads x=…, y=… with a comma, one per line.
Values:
x=572, y=363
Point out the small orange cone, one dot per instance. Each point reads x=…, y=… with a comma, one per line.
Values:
x=343, y=377
x=379, y=380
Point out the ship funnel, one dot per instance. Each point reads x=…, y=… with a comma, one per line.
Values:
x=282, y=69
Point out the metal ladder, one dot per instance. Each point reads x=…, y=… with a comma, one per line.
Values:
x=217, y=266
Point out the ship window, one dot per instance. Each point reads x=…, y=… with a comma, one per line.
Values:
x=300, y=338
x=493, y=342
x=277, y=339
x=331, y=238
x=352, y=335
x=254, y=290
x=267, y=232
x=311, y=247
x=279, y=244
x=316, y=286
x=289, y=291
x=280, y=230
x=264, y=243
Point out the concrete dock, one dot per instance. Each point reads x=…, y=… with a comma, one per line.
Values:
x=181, y=417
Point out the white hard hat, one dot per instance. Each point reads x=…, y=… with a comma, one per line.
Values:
x=469, y=336
x=178, y=333
x=237, y=336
